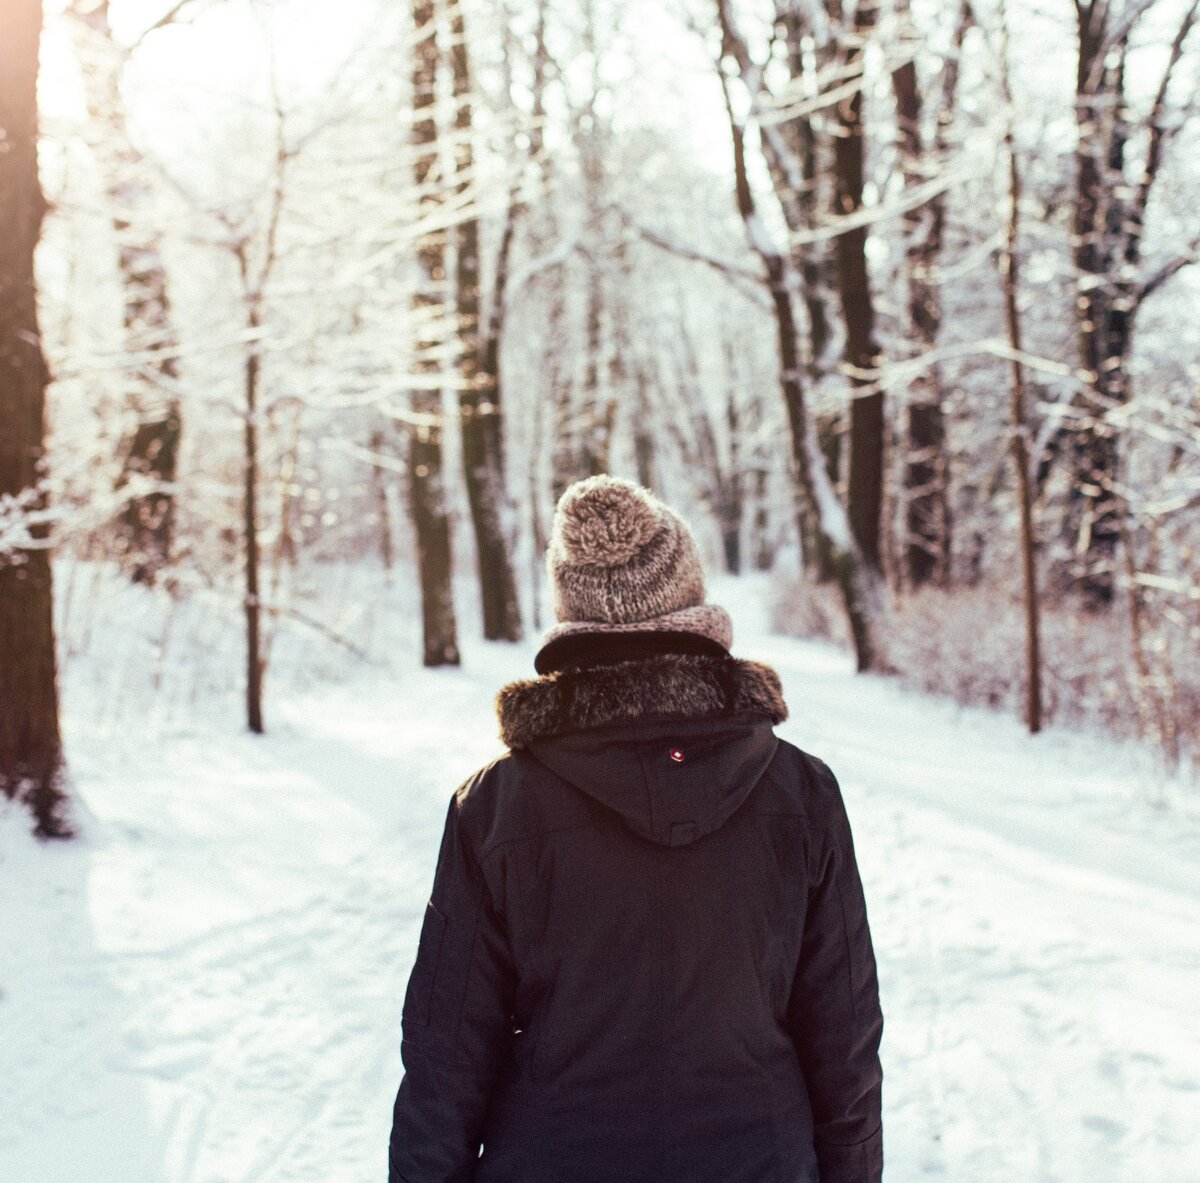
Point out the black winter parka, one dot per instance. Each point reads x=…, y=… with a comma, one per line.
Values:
x=646, y=956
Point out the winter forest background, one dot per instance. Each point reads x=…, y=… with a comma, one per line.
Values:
x=308, y=313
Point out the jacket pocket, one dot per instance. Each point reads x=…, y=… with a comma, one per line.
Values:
x=418, y=1000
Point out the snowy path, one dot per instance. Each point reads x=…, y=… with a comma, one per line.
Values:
x=208, y=989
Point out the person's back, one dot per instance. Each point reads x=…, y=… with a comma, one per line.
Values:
x=646, y=955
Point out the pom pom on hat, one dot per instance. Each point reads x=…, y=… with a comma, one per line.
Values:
x=604, y=521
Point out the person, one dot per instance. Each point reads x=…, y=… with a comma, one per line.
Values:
x=646, y=956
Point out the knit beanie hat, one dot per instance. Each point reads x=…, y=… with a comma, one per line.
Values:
x=620, y=561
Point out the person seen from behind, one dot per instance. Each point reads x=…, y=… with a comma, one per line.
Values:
x=646, y=956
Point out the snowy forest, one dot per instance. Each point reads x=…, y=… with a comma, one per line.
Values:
x=308, y=315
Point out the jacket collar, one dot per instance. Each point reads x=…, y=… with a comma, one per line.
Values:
x=663, y=686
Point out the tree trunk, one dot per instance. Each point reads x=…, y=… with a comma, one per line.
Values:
x=793, y=154
x=865, y=487
x=733, y=487
x=1010, y=278
x=719, y=478
x=926, y=478
x=597, y=403
x=149, y=456
x=252, y=595
x=863, y=593
x=596, y=413
x=31, y=768
x=763, y=532
x=763, y=536
x=253, y=599
x=1092, y=522
x=381, y=483
x=427, y=496
x=802, y=203
x=479, y=370
x=644, y=450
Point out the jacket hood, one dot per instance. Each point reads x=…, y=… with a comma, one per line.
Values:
x=674, y=743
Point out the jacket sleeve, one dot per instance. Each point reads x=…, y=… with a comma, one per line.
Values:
x=456, y=1022
x=834, y=1010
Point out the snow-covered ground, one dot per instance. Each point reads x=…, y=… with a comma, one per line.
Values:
x=207, y=987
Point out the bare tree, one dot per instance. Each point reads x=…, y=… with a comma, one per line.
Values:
x=255, y=255
x=31, y=767
x=798, y=153
x=712, y=452
x=149, y=455
x=864, y=497
x=427, y=494
x=595, y=404
x=926, y=476
x=252, y=292
x=479, y=368
x=1011, y=283
x=863, y=593
x=1111, y=197
x=791, y=150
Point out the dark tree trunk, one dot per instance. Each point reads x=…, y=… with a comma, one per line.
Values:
x=863, y=594
x=794, y=152
x=802, y=203
x=762, y=537
x=252, y=595
x=763, y=533
x=427, y=496
x=926, y=478
x=865, y=484
x=732, y=488
x=253, y=598
x=1092, y=524
x=927, y=512
x=150, y=454
x=731, y=545
x=31, y=767
x=813, y=261
x=1108, y=229
x=479, y=370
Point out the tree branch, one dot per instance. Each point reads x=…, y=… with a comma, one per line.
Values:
x=1158, y=136
x=683, y=250
x=1167, y=271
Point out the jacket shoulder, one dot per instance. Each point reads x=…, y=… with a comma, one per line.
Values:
x=801, y=783
x=510, y=799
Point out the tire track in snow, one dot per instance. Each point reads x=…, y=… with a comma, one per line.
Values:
x=1005, y=983
x=272, y=1025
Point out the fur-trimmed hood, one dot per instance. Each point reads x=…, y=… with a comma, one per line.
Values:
x=668, y=686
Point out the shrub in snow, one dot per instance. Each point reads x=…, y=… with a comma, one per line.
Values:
x=969, y=643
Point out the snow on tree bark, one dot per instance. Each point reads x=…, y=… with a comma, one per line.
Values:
x=150, y=452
